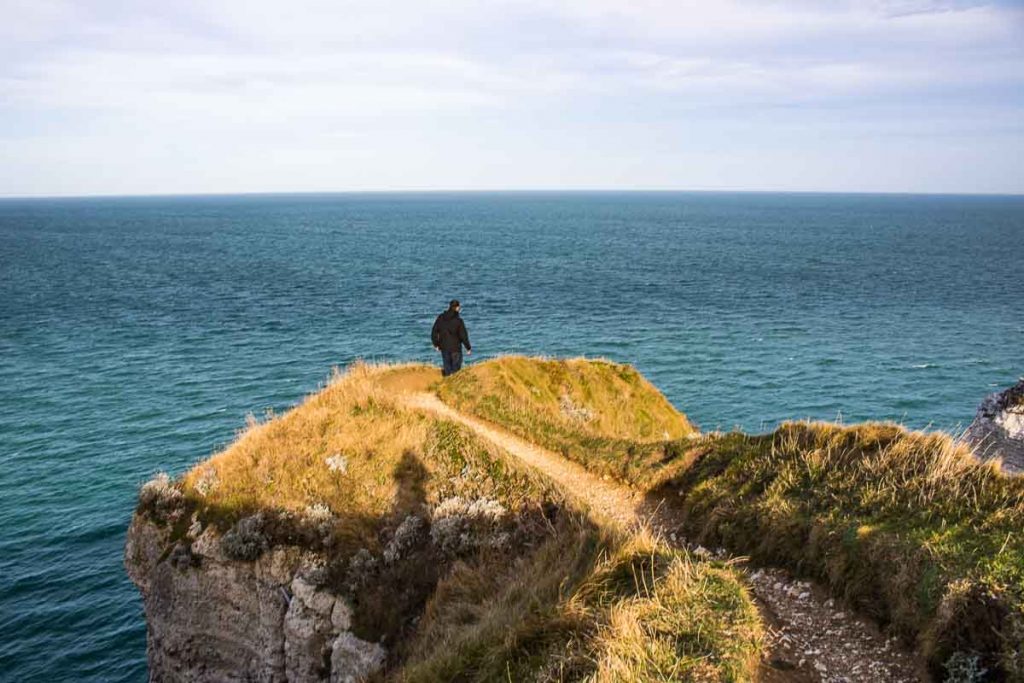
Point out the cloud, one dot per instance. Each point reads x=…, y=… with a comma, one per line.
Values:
x=352, y=76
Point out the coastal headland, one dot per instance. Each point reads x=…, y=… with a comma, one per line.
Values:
x=560, y=520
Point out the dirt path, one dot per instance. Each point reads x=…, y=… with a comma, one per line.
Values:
x=609, y=502
x=811, y=637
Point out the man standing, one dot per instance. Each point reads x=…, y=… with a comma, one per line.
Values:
x=449, y=336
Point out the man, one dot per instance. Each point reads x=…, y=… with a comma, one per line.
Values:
x=449, y=336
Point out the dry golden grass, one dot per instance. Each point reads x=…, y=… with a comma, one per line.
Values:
x=283, y=463
x=603, y=415
x=589, y=606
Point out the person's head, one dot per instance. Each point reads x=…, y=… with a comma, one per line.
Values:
x=454, y=305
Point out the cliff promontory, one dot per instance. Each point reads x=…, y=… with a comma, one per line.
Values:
x=546, y=520
x=358, y=538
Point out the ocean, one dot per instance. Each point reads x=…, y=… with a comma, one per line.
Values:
x=136, y=334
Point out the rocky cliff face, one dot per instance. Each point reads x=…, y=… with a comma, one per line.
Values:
x=998, y=428
x=213, y=618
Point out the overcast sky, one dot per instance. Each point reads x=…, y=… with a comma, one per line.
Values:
x=183, y=96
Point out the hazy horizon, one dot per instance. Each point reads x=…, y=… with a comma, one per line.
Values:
x=497, y=191
x=222, y=97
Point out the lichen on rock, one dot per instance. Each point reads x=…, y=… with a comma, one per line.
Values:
x=460, y=526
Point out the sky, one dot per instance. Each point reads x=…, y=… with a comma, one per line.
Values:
x=217, y=96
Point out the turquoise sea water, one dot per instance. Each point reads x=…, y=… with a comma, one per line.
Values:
x=136, y=334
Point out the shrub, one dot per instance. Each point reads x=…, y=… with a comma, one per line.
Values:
x=161, y=498
x=245, y=540
x=962, y=667
x=407, y=536
x=460, y=526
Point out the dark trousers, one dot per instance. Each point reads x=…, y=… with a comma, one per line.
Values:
x=451, y=362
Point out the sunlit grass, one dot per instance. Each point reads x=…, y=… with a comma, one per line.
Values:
x=601, y=414
x=589, y=606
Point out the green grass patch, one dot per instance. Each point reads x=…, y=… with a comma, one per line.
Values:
x=907, y=526
x=603, y=415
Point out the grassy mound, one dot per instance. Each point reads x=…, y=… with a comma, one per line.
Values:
x=351, y=450
x=603, y=415
x=907, y=526
x=467, y=565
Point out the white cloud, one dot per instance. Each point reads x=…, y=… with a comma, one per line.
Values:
x=315, y=81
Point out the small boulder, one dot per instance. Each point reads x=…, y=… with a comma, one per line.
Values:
x=354, y=660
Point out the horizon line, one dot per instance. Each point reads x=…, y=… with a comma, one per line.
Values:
x=438, y=191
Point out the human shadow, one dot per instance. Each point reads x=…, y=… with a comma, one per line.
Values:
x=410, y=476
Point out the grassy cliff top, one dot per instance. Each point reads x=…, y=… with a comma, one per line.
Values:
x=594, y=397
x=353, y=449
x=475, y=567
x=350, y=448
x=604, y=415
x=907, y=526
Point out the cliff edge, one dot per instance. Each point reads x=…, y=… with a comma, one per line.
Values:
x=491, y=526
x=358, y=538
x=211, y=616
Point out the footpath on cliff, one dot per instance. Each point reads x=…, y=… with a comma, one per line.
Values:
x=811, y=636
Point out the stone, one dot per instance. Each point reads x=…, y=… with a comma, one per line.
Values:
x=319, y=601
x=341, y=616
x=353, y=660
x=227, y=619
x=997, y=432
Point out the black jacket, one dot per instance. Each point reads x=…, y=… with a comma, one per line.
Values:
x=449, y=332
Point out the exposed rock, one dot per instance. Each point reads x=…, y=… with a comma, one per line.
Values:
x=460, y=526
x=998, y=428
x=353, y=660
x=214, y=618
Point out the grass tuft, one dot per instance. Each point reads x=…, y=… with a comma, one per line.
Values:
x=588, y=606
